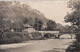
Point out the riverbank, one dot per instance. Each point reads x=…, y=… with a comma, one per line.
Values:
x=14, y=45
x=17, y=45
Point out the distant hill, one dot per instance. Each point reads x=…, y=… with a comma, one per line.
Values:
x=60, y=27
x=17, y=12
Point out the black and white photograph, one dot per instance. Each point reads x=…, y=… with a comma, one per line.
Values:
x=39, y=25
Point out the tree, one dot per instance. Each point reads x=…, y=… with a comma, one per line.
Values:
x=38, y=24
x=51, y=25
x=74, y=19
x=74, y=16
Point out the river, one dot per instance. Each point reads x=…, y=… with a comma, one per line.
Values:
x=56, y=45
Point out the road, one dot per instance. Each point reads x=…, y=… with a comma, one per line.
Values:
x=58, y=45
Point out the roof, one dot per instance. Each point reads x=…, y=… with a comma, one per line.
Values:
x=27, y=25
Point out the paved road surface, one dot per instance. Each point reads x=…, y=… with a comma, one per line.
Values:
x=43, y=45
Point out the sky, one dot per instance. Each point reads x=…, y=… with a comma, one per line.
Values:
x=52, y=9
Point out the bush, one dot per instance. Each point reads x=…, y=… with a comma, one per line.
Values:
x=49, y=35
x=16, y=39
x=76, y=45
x=74, y=48
x=78, y=37
x=36, y=35
x=13, y=37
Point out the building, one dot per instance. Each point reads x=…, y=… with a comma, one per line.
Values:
x=28, y=28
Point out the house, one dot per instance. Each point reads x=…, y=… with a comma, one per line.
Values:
x=28, y=28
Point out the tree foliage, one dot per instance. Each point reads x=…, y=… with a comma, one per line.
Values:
x=38, y=24
x=74, y=16
x=51, y=25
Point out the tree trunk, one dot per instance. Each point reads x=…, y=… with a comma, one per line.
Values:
x=71, y=36
x=78, y=37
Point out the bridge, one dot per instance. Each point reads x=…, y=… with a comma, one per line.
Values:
x=54, y=33
x=47, y=33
